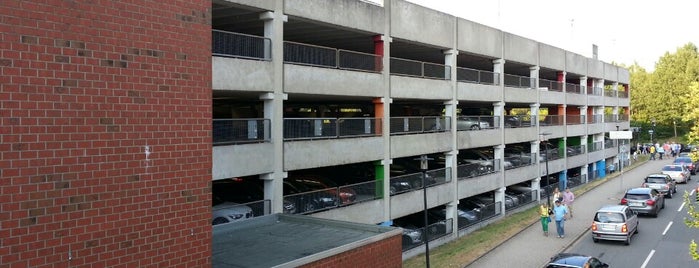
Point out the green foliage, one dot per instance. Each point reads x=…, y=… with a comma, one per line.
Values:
x=668, y=94
x=692, y=222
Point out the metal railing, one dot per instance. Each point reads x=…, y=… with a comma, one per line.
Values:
x=471, y=170
x=514, y=121
x=362, y=191
x=575, y=150
x=572, y=119
x=419, y=124
x=595, y=146
x=611, y=118
x=477, y=76
x=523, y=199
x=551, y=120
x=237, y=131
x=420, y=69
x=519, y=81
x=622, y=94
x=575, y=88
x=623, y=117
x=575, y=181
x=433, y=231
x=610, y=93
x=547, y=190
x=230, y=44
x=551, y=85
x=595, y=118
x=609, y=144
x=515, y=161
x=413, y=181
x=484, y=213
x=477, y=122
x=327, y=128
x=320, y=56
x=597, y=91
x=553, y=154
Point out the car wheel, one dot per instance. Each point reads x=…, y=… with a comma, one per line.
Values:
x=628, y=240
x=669, y=194
x=392, y=190
x=309, y=207
x=636, y=231
x=475, y=127
x=663, y=206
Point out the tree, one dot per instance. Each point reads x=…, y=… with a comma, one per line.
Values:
x=691, y=100
x=670, y=83
x=692, y=222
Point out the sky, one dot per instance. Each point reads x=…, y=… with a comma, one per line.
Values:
x=625, y=31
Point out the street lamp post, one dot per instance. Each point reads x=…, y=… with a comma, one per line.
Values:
x=652, y=131
x=423, y=167
x=544, y=138
x=674, y=125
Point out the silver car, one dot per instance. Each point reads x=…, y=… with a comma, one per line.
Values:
x=661, y=182
x=471, y=123
x=614, y=222
x=679, y=173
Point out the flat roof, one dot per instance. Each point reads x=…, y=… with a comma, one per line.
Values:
x=284, y=240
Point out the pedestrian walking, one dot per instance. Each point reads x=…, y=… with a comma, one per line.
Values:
x=557, y=195
x=651, y=150
x=545, y=214
x=660, y=150
x=559, y=214
x=568, y=198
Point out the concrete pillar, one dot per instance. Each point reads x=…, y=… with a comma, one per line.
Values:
x=274, y=105
x=500, y=197
x=450, y=60
x=583, y=83
x=499, y=71
x=536, y=188
x=534, y=75
x=534, y=110
x=499, y=153
x=499, y=111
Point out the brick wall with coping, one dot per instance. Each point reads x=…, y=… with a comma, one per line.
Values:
x=105, y=147
x=386, y=253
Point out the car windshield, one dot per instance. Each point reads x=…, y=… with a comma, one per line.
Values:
x=609, y=217
x=637, y=196
x=672, y=168
x=655, y=180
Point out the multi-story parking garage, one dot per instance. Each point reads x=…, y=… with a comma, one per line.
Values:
x=323, y=107
x=123, y=122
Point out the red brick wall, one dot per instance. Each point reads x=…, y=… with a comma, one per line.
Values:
x=86, y=85
x=386, y=253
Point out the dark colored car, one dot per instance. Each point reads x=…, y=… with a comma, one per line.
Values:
x=567, y=260
x=644, y=201
x=687, y=161
x=306, y=199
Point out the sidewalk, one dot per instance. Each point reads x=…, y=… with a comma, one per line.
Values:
x=530, y=248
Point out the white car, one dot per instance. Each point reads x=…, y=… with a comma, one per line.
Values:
x=230, y=212
x=679, y=173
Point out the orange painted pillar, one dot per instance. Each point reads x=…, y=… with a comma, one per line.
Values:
x=378, y=50
x=378, y=116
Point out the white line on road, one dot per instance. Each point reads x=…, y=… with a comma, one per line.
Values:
x=667, y=228
x=648, y=258
x=681, y=206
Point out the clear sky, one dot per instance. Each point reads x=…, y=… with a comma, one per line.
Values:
x=624, y=30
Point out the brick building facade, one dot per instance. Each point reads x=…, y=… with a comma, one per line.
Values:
x=105, y=152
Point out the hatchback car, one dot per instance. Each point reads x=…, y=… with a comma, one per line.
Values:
x=679, y=173
x=686, y=161
x=644, y=201
x=614, y=222
x=661, y=182
x=567, y=260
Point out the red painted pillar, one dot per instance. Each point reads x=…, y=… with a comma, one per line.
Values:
x=378, y=50
x=561, y=78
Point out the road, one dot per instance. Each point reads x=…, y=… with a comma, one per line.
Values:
x=530, y=248
x=660, y=242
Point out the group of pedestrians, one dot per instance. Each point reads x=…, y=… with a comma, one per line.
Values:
x=666, y=150
x=562, y=211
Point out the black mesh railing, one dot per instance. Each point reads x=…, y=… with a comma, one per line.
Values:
x=230, y=44
x=237, y=131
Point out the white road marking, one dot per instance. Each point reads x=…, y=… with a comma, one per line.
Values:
x=648, y=258
x=681, y=206
x=667, y=228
